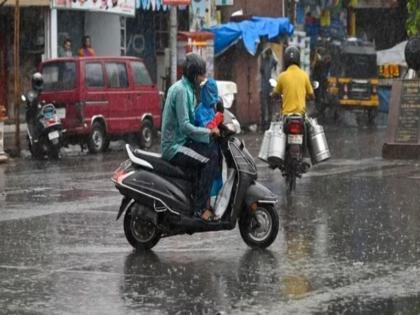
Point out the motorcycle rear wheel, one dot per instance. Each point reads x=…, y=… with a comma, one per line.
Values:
x=54, y=152
x=260, y=229
x=290, y=182
x=140, y=233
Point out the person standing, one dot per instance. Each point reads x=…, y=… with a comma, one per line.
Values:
x=268, y=63
x=65, y=51
x=86, y=50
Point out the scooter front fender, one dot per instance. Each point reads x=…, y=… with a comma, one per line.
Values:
x=257, y=193
x=125, y=203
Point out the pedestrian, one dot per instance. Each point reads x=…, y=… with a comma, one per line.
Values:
x=268, y=63
x=185, y=145
x=65, y=50
x=86, y=50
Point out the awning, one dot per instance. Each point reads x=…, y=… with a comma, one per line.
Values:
x=394, y=55
x=250, y=31
x=28, y=3
x=375, y=4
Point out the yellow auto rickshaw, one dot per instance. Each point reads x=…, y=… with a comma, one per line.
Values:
x=353, y=77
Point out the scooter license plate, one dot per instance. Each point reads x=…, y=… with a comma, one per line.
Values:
x=295, y=139
x=53, y=135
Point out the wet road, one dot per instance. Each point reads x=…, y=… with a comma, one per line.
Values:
x=349, y=242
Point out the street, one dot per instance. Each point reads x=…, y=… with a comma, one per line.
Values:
x=349, y=241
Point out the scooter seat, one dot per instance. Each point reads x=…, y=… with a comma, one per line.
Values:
x=154, y=161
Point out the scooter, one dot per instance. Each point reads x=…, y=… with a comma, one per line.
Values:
x=44, y=129
x=157, y=200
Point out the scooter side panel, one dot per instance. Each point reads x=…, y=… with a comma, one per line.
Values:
x=241, y=188
x=150, y=187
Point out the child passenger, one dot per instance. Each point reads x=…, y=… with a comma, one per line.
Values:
x=209, y=114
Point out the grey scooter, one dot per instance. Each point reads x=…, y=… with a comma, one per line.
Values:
x=157, y=194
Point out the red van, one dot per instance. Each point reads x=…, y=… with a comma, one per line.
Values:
x=102, y=98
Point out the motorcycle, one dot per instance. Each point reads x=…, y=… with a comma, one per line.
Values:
x=44, y=129
x=157, y=200
x=288, y=142
x=296, y=136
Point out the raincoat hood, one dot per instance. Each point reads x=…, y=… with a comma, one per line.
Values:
x=205, y=112
x=209, y=93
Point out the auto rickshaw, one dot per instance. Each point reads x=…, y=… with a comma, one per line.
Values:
x=353, y=77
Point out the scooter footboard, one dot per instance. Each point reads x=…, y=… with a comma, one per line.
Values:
x=259, y=194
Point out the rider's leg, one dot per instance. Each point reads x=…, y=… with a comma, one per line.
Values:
x=199, y=160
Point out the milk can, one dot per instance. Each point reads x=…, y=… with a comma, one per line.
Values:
x=277, y=145
x=263, y=154
x=318, y=146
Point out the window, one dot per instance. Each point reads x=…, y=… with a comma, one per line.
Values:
x=117, y=75
x=94, y=75
x=141, y=76
x=59, y=76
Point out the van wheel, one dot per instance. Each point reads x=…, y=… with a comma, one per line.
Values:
x=97, y=141
x=146, y=134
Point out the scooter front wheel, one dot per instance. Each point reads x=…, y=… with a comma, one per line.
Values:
x=260, y=228
x=140, y=233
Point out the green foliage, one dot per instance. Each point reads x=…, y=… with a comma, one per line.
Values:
x=413, y=21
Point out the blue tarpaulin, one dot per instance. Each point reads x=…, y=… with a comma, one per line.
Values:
x=250, y=31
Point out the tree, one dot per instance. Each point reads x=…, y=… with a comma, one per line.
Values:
x=413, y=21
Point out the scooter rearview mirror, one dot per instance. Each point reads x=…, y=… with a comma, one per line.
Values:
x=273, y=82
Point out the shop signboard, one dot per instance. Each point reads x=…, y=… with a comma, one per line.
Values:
x=403, y=136
x=121, y=7
x=176, y=2
x=373, y=4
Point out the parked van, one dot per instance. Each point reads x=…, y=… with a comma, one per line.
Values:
x=102, y=98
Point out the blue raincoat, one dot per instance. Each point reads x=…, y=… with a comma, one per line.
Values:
x=204, y=113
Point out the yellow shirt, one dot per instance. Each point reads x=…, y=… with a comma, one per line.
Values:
x=294, y=85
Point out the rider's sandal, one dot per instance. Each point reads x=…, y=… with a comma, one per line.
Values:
x=207, y=215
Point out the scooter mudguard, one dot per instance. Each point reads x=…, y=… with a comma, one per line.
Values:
x=124, y=205
x=260, y=194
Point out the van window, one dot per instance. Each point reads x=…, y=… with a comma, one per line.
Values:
x=117, y=75
x=141, y=76
x=59, y=76
x=94, y=75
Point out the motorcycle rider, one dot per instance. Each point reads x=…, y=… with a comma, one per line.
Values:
x=295, y=88
x=185, y=145
x=32, y=101
x=293, y=84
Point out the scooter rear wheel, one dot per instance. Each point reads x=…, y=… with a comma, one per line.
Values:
x=259, y=229
x=140, y=233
